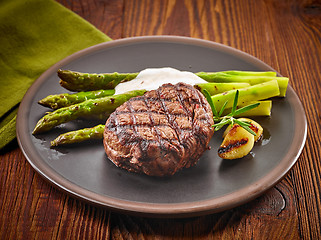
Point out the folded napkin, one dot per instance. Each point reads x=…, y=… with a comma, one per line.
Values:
x=34, y=34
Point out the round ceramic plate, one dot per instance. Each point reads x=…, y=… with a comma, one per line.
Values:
x=84, y=171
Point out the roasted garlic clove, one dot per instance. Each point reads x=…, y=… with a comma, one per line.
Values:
x=257, y=128
x=237, y=143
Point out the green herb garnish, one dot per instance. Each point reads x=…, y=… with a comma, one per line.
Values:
x=220, y=121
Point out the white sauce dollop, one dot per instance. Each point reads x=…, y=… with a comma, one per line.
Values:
x=153, y=78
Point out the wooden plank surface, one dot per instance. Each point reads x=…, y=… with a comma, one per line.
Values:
x=284, y=34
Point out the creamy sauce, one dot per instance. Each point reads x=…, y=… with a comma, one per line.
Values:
x=153, y=78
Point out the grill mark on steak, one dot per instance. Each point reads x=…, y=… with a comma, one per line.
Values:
x=172, y=123
x=188, y=113
x=153, y=125
x=134, y=125
x=161, y=132
x=207, y=117
x=169, y=116
x=192, y=114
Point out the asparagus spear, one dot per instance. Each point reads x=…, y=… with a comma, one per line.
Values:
x=216, y=88
x=76, y=81
x=248, y=77
x=253, y=93
x=264, y=109
x=105, y=105
x=81, y=135
x=249, y=73
x=65, y=99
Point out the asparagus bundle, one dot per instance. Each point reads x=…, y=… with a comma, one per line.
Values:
x=76, y=81
x=65, y=99
x=105, y=106
x=92, y=101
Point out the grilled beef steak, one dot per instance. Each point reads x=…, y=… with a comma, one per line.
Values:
x=160, y=132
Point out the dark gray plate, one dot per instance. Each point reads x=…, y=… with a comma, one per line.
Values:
x=212, y=185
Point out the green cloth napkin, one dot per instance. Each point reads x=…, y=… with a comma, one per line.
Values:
x=34, y=34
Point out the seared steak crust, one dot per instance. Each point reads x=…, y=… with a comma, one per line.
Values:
x=160, y=132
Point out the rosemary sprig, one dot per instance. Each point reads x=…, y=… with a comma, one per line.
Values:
x=220, y=121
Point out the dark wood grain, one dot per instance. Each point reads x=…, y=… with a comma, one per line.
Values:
x=284, y=34
x=257, y=220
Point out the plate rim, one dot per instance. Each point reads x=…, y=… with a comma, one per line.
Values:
x=184, y=209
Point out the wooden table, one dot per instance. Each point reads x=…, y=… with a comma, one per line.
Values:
x=284, y=34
